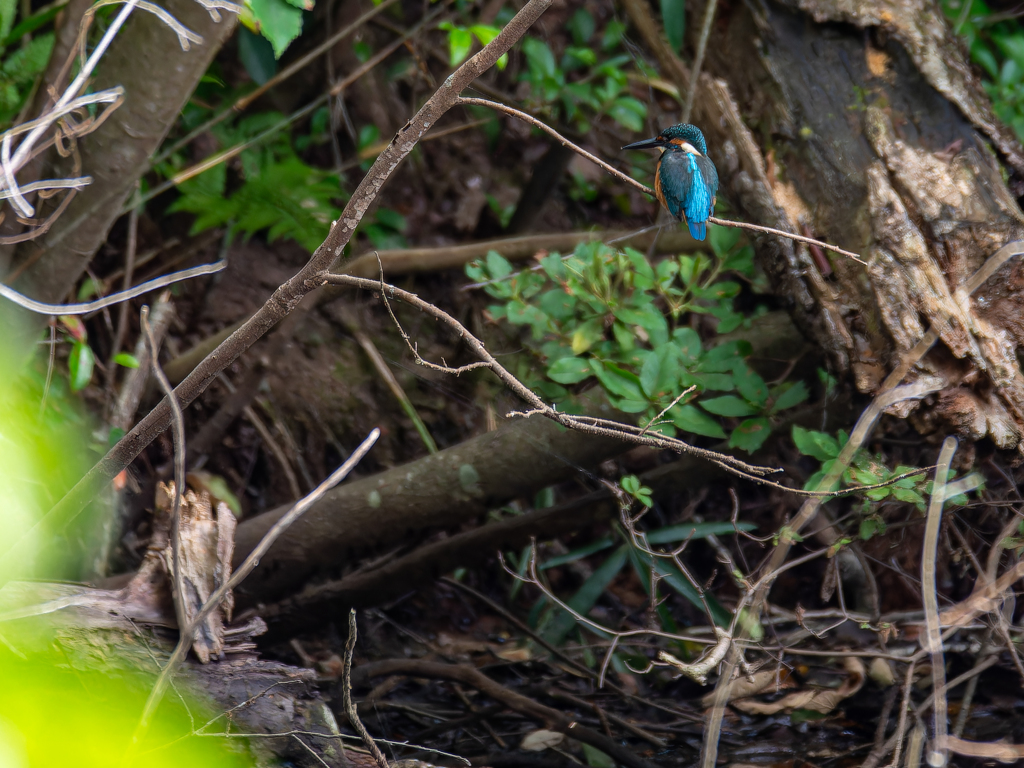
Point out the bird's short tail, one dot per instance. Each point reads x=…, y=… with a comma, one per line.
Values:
x=697, y=231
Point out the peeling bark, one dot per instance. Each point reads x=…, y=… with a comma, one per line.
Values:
x=875, y=134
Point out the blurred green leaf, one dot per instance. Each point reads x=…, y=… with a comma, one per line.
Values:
x=673, y=19
x=80, y=365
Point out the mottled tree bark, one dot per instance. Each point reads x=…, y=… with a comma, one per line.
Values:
x=863, y=124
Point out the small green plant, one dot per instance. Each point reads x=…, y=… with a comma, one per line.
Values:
x=460, y=41
x=998, y=48
x=20, y=64
x=279, y=192
x=279, y=21
x=866, y=469
x=612, y=316
x=588, y=82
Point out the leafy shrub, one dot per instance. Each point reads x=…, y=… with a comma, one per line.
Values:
x=612, y=316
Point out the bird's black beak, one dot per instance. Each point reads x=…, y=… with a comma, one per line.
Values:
x=654, y=143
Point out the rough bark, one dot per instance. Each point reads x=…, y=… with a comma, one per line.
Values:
x=873, y=133
x=158, y=77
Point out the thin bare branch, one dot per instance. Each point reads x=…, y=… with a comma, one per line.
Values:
x=933, y=637
x=87, y=307
x=346, y=687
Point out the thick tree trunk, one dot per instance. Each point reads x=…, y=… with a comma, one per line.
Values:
x=873, y=133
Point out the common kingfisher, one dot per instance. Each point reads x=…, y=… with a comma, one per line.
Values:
x=685, y=181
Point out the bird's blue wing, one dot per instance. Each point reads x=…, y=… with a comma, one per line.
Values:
x=687, y=185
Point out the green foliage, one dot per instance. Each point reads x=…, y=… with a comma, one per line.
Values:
x=641, y=493
x=460, y=41
x=588, y=82
x=279, y=21
x=46, y=684
x=20, y=66
x=673, y=19
x=865, y=469
x=559, y=623
x=613, y=317
x=998, y=49
x=280, y=193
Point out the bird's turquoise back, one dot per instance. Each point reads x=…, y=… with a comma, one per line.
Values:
x=686, y=184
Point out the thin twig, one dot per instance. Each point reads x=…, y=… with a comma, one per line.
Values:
x=346, y=687
x=108, y=301
x=178, y=435
x=929, y=593
x=129, y=271
x=698, y=59
x=243, y=571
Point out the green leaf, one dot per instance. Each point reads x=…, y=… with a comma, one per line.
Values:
x=578, y=554
x=650, y=373
x=27, y=26
x=80, y=365
x=581, y=25
x=690, y=418
x=127, y=360
x=617, y=381
x=683, y=531
x=750, y=434
x=790, y=397
x=584, y=599
x=750, y=385
x=675, y=579
x=8, y=10
x=498, y=266
x=278, y=21
x=460, y=42
x=570, y=370
x=587, y=335
x=815, y=444
x=673, y=19
x=728, y=405
x=688, y=343
x=257, y=56
x=596, y=758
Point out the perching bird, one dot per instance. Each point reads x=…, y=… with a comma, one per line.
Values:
x=685, y=181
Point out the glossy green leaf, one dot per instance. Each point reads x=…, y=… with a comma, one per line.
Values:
x=790, y=397
x=683, y=531
x=278, y=21
x=673, y=19
x=126, y=360
x=578, y=554
x=80, y=365
x=750, y=385
x=816, y=444
x=728, y=405
x=690, y=418
x=570, y=370
x=750, y=434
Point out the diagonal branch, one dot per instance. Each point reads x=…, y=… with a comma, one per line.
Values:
x=288, y=296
